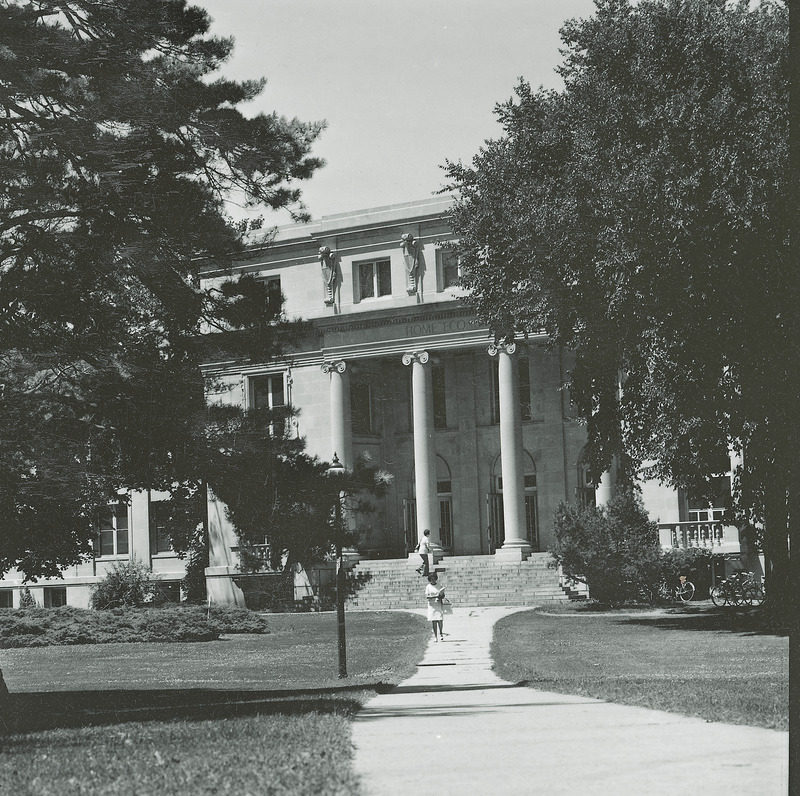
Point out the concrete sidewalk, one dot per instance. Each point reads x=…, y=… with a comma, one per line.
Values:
x=457, y=728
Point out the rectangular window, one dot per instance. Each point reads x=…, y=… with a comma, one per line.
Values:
x=701, y=510
x=439, y=397
x=6, y=598
x=523, y=369
x=446, y=522
x=55, y=596
x=274, y=294
x=525, y=387
x=447, y=269
x=374, y=279
x=111, y=531
x=267, y=392
x=160, y=511
x=361, y=407
x=168, y=591
x=532, y=520
x=410, y=522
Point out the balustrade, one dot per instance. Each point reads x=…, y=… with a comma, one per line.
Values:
x=695, y=534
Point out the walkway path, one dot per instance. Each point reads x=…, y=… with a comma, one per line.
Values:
x=457, y=728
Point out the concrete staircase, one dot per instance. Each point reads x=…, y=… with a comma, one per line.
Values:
x=468, y=581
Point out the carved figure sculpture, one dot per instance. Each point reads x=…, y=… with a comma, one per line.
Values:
x=328, y=263
x=411, y=260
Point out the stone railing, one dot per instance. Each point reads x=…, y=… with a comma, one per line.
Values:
x=692, y=534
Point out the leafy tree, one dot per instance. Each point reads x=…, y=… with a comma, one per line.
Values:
x=643, y=216
x=118, y=149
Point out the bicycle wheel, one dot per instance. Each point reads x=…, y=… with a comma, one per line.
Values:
x=757, y=594
x=719, y=596
x=746, y=597
x=685, y=591
x=736, y=595
x=664, y=591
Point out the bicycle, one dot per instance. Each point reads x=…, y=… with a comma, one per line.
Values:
x=738, y=589
x=683, y=590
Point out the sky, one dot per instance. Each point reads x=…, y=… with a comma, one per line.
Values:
x=403, y=86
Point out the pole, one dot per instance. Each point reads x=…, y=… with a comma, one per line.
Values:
x=340, y=590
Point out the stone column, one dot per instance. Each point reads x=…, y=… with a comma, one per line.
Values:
x=341, y=436
x=516, y=546
x=341, y=433
x=139, y=529
x=604, y=490
x=424, y=449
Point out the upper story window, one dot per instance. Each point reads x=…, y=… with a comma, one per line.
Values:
x=274, y=293
x=448, y=270
x=372, y=279
x=439, y=397
x=267, y=391
x=704, y=510
x=361, y=407
x=111, y=530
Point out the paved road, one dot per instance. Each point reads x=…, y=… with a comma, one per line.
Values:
x=457, y=728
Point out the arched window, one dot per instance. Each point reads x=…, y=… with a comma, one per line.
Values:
x=444, y=490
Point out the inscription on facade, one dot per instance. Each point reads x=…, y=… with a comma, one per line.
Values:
x=445, y=326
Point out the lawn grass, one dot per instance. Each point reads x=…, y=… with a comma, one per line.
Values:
x=245, y=714
x=694, y=661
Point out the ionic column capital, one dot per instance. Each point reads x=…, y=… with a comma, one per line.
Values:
x=338, y=365
x=505, y=348
x=415, y=356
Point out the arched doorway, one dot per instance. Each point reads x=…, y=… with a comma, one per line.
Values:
x=444, y=490
x=494, y=503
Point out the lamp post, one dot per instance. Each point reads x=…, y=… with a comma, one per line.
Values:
x=337, y=469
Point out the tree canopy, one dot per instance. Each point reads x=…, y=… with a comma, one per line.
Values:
x=118, y=149
x=642, y=216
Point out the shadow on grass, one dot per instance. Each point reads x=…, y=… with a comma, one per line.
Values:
x=34, y=712
x=747, y=622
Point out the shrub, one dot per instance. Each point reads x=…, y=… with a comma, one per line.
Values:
x=613, y=549
x=236, y=620
x=126, y=584
x=41, y=627
x=26, y=599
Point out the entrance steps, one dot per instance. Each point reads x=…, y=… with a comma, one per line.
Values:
x=474, y=581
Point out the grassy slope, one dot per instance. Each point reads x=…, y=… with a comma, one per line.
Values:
x=251, y=714
x=711, y=665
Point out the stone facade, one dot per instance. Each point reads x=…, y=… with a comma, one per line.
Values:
x=481, y=440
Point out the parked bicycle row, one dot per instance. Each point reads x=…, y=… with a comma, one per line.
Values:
x=740, y=589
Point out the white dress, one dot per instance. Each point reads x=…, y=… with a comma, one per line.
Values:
x=434, y=603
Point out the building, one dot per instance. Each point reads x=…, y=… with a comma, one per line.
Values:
x=481, y=440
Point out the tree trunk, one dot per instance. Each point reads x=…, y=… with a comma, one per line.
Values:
x=776, y=550
x=5, y=707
